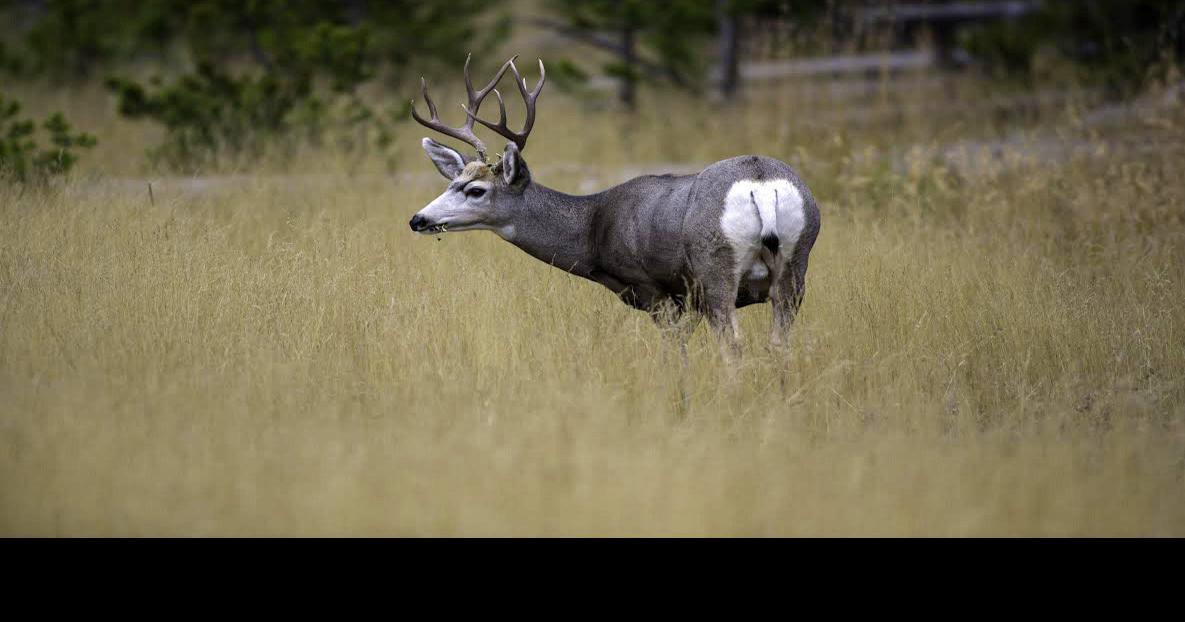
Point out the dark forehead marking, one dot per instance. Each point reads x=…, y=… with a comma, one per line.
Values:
x=460, y=183
x=474, y=171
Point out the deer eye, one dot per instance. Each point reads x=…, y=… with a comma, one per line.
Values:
x=475, y=192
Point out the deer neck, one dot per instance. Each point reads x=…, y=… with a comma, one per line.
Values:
x=554, y=228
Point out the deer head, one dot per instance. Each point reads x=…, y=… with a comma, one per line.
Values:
x=479, y=195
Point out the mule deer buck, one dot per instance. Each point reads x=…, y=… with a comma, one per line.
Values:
x=737, y=233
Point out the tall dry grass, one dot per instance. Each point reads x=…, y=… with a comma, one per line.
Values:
x=989, y=349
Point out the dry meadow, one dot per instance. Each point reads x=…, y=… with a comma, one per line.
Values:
x=992, y=342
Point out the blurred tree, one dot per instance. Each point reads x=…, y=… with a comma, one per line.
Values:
x=1119, y=42
x=22, y=159
x=731, y=16
x=67, y=39
x=656, y=40
x=266, y=72
x=728, y=31
x=666, y=41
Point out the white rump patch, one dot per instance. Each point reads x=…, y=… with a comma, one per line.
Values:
x=754, y=210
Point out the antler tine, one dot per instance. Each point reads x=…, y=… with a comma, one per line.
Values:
x=476, y=97
x=427, y=99
x=530, y=99
x=501, y=109
x=519, y=138
x=465, y=132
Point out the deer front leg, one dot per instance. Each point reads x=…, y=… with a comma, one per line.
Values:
x=676, y=327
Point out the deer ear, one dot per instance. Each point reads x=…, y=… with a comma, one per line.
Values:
x=514, y=170
x=448, y=161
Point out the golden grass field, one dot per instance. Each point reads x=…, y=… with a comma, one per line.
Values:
x=997, y=349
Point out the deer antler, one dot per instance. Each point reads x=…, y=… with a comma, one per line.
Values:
x=465, y=132
x=519, y=138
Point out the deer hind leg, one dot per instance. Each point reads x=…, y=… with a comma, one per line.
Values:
x=719, y=306
x=786, y=294
x=714, y=295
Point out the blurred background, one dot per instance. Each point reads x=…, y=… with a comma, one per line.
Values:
x=216, y=85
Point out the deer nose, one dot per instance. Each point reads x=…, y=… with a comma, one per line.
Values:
x=418, y=223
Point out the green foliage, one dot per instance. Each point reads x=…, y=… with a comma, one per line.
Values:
x=1119, y=43
x=311, y=59
x=210, y=115
x=22, y=159
x=10, y=63
x=68, y=39
x=266, y=75
x=214, y=119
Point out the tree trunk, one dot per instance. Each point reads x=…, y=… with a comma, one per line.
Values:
x=629, y=61
x=729, y=47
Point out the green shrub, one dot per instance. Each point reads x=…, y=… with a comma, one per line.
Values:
x=210, y=115
x=213, y=119
x=270, y=77
x=22, y=159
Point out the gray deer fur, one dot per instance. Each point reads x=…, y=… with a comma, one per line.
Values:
x=737, y=233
